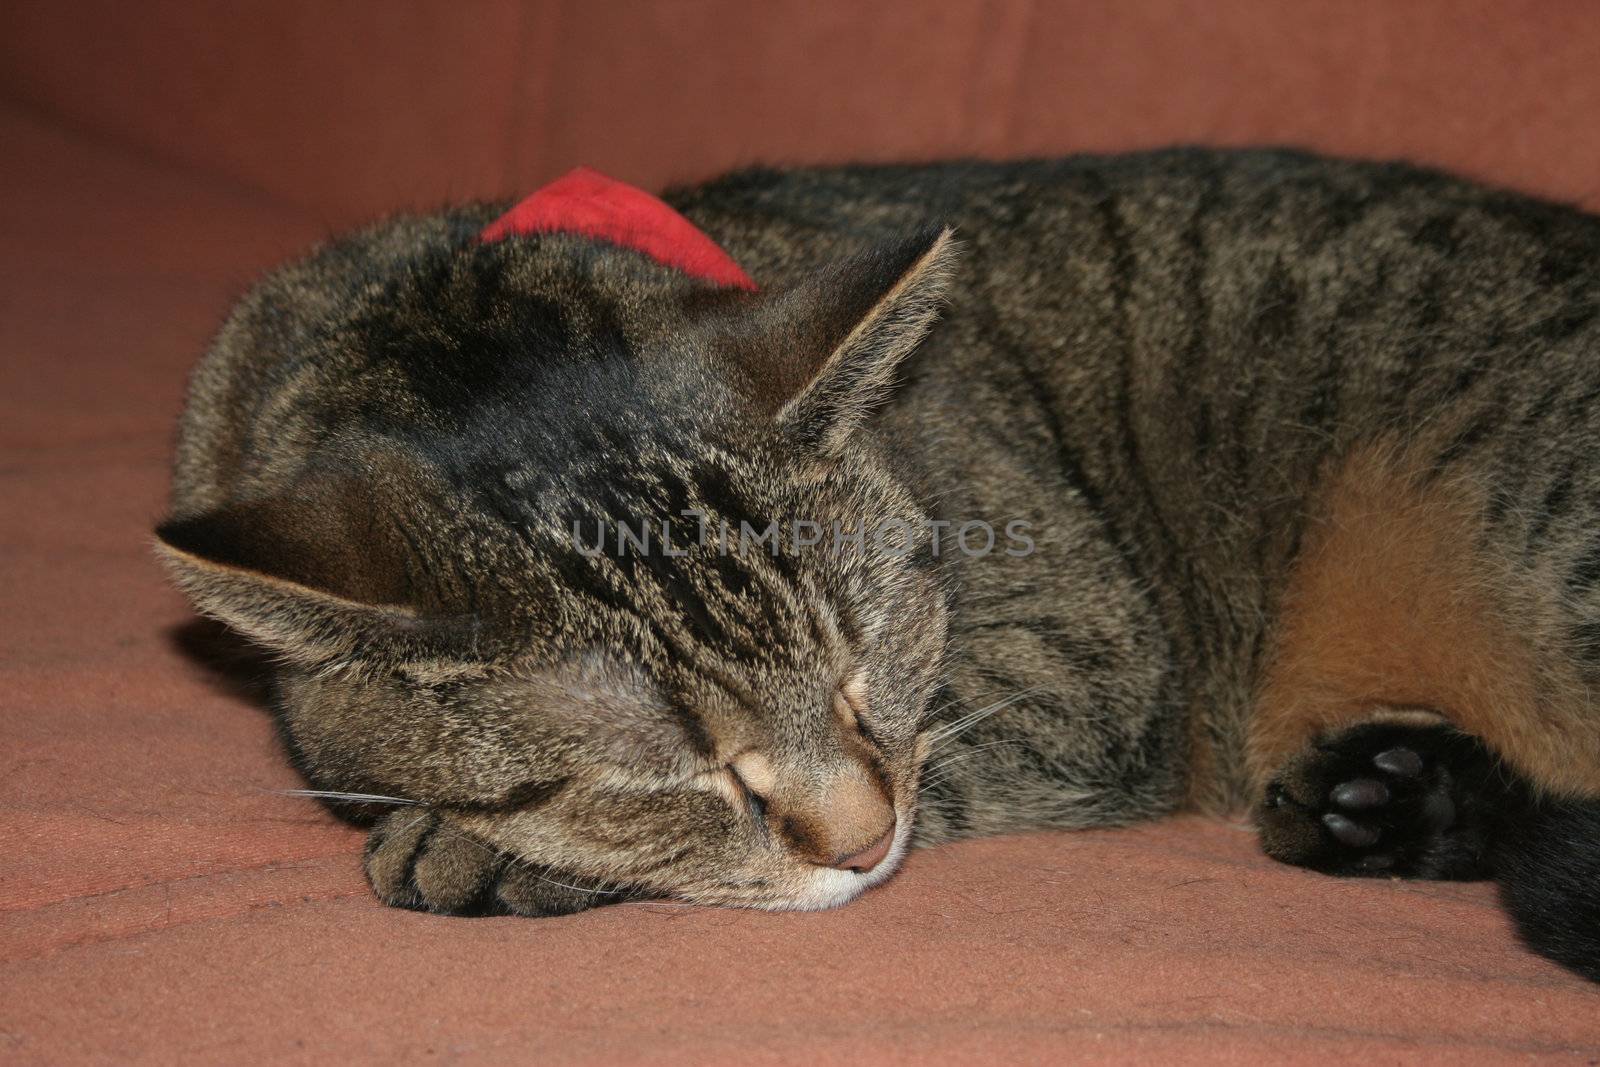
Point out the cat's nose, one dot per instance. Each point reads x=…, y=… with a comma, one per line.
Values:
x=869, y=857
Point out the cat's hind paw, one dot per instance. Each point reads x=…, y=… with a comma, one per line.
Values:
x=1386, y=799
x=417, y=859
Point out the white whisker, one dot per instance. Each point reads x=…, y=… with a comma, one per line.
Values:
x=940, y=770
x=333, y=794
x=938, y=738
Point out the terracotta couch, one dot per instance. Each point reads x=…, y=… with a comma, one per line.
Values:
x=160, y=903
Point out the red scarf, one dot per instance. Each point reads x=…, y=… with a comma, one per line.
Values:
x=587, y=202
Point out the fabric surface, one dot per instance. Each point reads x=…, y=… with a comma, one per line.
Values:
x=160, y=903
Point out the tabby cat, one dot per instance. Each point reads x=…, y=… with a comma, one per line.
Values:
x=1217, y=480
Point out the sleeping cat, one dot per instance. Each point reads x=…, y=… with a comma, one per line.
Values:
x=1186, y=479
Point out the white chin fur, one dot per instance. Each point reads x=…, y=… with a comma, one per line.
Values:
x=829, y=888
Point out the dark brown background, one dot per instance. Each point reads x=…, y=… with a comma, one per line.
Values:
x=160, y=903
x=347, y=109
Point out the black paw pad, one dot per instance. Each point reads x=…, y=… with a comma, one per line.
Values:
x=1349, y=832
x=1385, y=799
x=1361, y=794
x=1401, y=762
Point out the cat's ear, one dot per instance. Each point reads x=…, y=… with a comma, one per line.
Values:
x=320, y=573
x=831, y=345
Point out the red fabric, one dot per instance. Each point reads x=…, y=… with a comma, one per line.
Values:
x=587, y=202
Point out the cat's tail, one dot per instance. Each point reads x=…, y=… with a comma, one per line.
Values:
x=1548, y=867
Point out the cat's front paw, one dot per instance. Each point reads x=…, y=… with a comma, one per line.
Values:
x=1386, y=799
x=416, y=858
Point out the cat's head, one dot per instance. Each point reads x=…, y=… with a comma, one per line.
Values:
x=603, y=563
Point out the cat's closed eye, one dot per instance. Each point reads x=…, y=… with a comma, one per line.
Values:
x=850, y=701
x=750, y=774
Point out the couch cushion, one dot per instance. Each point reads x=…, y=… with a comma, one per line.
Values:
x=160, y=903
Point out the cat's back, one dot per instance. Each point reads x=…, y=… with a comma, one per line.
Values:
x=1199, y=325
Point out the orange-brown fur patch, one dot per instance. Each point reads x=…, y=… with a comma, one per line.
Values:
x=1397, y=602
